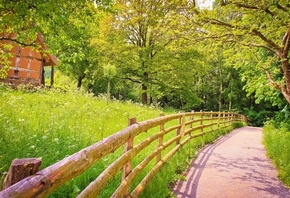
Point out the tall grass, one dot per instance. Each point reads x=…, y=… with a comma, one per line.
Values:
x=277, y=143
x=52, y=124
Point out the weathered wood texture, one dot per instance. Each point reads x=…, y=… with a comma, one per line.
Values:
x=189, y=125
x=20, y=169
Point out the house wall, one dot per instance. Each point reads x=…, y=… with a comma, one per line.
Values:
x=26, y=66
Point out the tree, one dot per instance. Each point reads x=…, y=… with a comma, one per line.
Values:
x=109, y=73
x=22, y=20
x=73, y=47
x=148, y=27
x=254, y=24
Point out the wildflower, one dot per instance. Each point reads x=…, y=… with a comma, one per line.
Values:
x=32, y=146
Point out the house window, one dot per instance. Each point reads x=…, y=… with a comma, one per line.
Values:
x=16, y=73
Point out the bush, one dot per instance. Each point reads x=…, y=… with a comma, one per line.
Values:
x=258, y=117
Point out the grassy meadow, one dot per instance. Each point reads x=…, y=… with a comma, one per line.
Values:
x=53, y=124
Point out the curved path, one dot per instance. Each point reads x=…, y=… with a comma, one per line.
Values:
x=234, y=166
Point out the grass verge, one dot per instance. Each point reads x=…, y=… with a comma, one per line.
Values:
x=277, y=143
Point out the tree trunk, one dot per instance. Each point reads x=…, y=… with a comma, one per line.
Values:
x=144, y=97
x=220, y=96
x=286, y=70
x=80, y=82
x=52, y=76
x=283, y=53
x=108, y=91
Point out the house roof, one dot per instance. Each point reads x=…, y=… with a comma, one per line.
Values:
x=49, y=59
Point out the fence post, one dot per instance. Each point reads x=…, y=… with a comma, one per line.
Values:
x=160, y=140
x=128, y=146
x=20, y=169
x=224, y=118
x=219, y=119
x=191, y=118
x=211, y=120
x=179, y=129
x=201, y=121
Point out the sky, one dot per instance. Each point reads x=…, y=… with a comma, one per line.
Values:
x=205, y=3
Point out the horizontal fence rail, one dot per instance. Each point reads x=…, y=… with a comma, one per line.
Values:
x=182, y=127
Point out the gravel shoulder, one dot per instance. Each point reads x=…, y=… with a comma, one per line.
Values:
x=234, y=166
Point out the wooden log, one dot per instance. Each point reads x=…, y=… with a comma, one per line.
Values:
x=50, y=178
x=191, y=118
x=211, y=120
x=20, y=169
x=145, y=181
x=201, y=120
x=219, y=119
x=96, y=186
x=128, y=146
x=182, y=125
x=160, y=140
x=179, y=129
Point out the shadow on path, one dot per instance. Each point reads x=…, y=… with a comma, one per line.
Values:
x=234, y=166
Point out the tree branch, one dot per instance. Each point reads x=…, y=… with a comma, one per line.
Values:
x=253, y=44
x=279, y=6
x=212, y=37
x=17, y=41
x=131, y=79
x=286, y=41
x=252, y=7
x=270, y=42
x=272, y=81
x=218, y=22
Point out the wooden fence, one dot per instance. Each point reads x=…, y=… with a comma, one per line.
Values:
x=182, y=127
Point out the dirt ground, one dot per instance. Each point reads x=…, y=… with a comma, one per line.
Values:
x=234, y=166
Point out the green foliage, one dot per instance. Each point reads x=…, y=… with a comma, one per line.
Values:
x=4, y=59
x=277, y=142
x=257, y=32
x=155, y=58
x=257, y=117
x=281, y=118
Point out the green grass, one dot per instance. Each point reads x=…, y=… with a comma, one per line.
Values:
x=277, y=143
x=53, y=124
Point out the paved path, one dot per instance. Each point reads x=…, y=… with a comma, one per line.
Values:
x=235, y=166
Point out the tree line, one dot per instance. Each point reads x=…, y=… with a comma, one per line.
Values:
x=233, y=55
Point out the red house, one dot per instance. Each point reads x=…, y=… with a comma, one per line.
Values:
x=27, y=64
